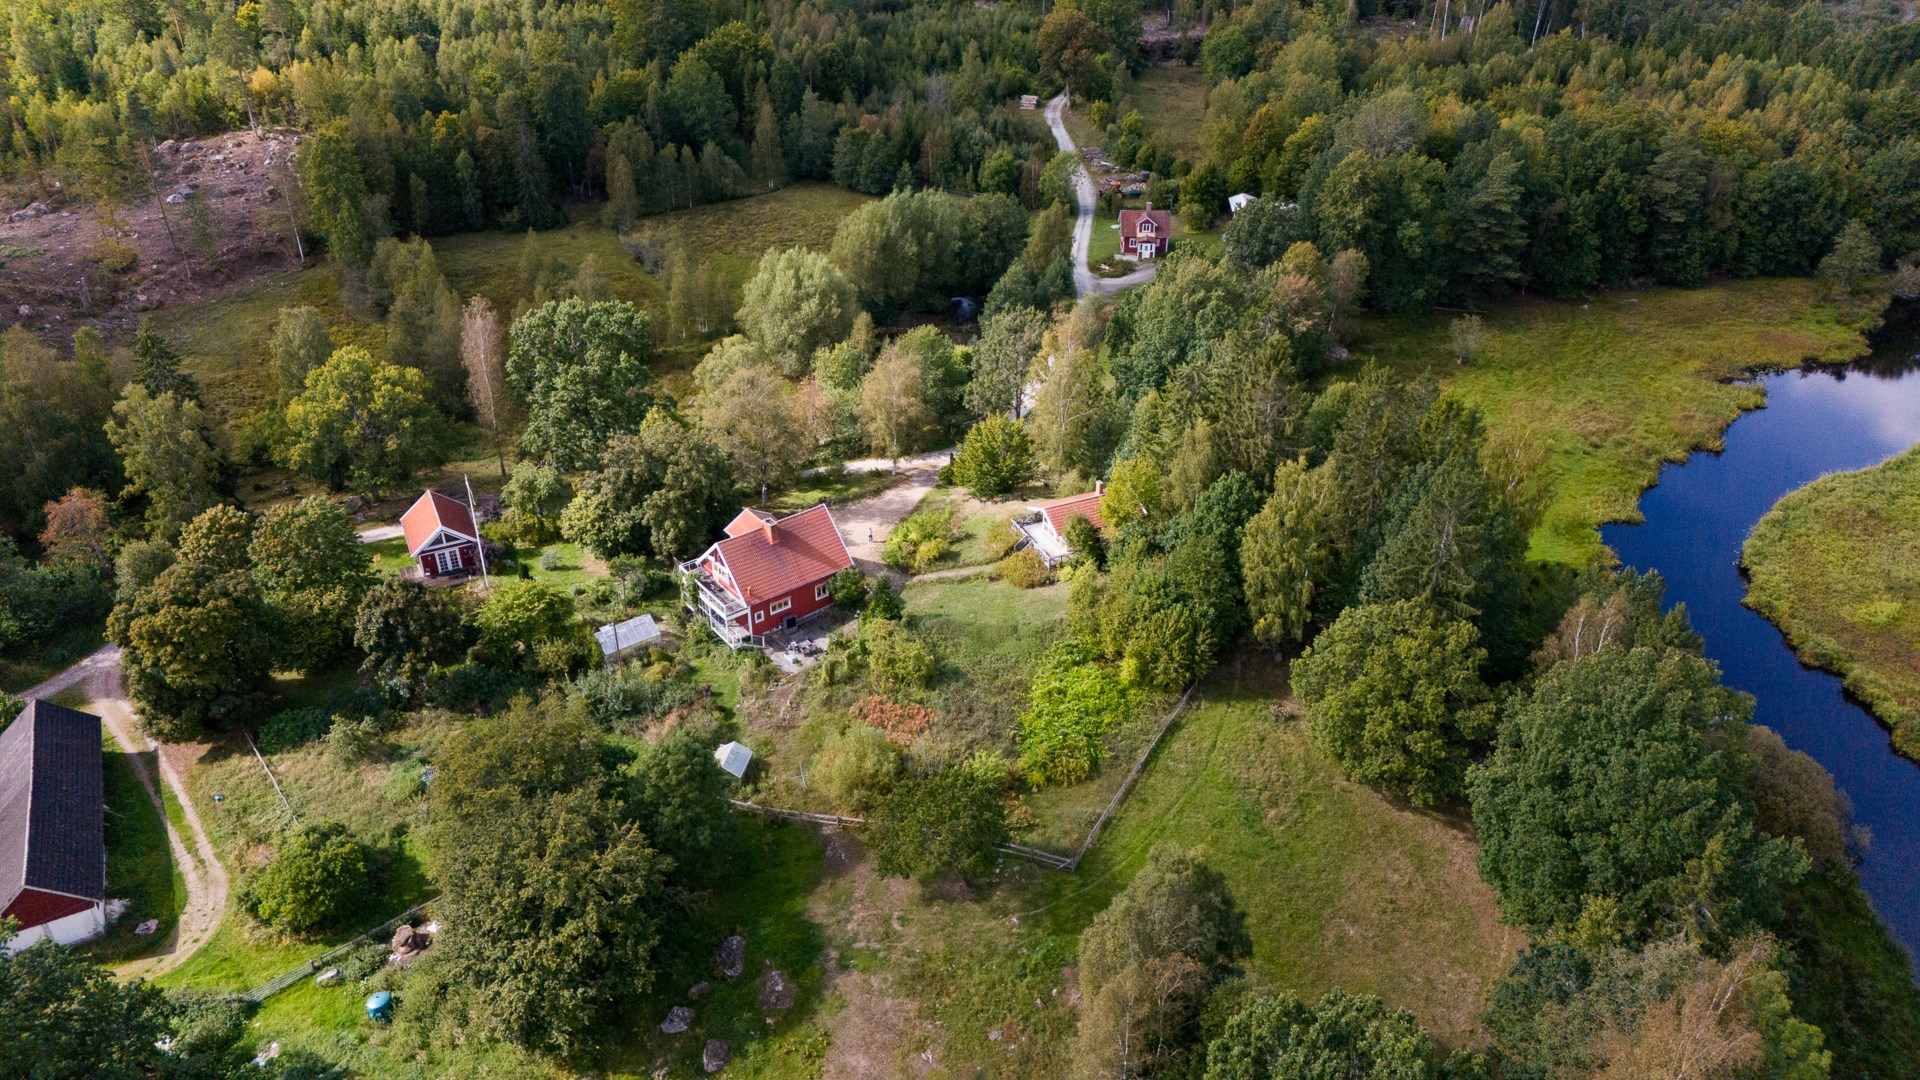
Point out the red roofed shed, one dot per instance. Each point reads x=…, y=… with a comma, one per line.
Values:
x=440, y=533
x=769, y=573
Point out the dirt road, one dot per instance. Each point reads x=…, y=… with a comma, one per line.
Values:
x=98, y=677
x=1085, y=282
x=865, y=524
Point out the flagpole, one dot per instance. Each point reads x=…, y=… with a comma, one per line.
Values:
x=486, y=581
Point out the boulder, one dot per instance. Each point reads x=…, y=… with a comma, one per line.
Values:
x=327, y=977
x=716, y=1055
x=699, y=989
x=732, y=957
x=776, y=991
x=679, y=1018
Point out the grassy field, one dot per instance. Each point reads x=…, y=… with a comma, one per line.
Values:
x=733, y=235
x=1836, y=565
x=1172, y=98
x=1342, y=886
x=1614, y=386
x=140, y=866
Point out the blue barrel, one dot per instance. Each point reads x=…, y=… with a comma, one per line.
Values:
x=380, y=1006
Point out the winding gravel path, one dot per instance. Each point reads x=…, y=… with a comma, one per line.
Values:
x=1085, y=281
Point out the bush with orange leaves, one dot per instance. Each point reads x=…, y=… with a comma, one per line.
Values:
x=903, y=721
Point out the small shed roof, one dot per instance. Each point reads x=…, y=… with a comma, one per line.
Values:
x=733, y=757
x=619, y=637
x=431, y=513
x=52, y=821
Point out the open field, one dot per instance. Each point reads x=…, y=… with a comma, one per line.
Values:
x=1614, y=386
x=1836, y=566
x=1172, y=98
x=1342, y=886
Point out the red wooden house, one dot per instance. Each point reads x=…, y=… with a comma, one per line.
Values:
x=441, y=534
x=768, y=574
x=53, y=847
x=1144, y=234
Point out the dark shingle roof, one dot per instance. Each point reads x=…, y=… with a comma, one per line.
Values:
x=51, y=818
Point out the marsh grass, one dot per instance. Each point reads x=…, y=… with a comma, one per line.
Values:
x=1616, y=385
x=1836, y=565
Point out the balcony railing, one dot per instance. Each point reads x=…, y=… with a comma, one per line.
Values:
x=719, y=607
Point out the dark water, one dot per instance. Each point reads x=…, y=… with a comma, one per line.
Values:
x=1815, y=422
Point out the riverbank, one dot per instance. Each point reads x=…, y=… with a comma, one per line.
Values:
x=1836, y=566
x=1615, y=386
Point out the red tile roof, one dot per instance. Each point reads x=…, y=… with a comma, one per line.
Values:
x=770, y=558
x=1060, y=511
x=1162, y=222
x=748, y=521
x=429, y=514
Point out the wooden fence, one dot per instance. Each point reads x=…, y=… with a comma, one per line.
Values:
x=1051, y=860
x=319, y=963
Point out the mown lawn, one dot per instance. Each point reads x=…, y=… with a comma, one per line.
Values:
x=1616, y=385
x=1836, y=565
x=1342, y=886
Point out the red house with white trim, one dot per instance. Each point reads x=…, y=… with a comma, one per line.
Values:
x=768, y=574
x=441, y=534
x=1045, y=524
x=1144, y=234
x=53, y=848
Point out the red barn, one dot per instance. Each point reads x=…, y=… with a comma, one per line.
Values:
x=53, y=846
x=768, y=574
x=440, y=533
x=1144, y=234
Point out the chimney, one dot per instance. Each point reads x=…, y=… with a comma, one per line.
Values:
x=767, y=527
x=1149, y=206
x=1099, y=487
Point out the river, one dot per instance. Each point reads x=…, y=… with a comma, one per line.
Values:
x=1815, y=422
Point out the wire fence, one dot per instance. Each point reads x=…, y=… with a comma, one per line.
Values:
x=1066, y=864
x=282, y=981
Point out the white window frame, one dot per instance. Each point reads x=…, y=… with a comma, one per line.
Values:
x=778, y=606
x=820, y=591
x=759, y=617
x=448, y=559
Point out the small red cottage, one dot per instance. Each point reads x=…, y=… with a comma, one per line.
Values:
x=1045, y=524
x=768, y=574
x=1144, y=234
x=440, y=533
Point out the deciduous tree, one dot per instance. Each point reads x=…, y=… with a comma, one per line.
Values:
x=582, y=369
x=362, y=424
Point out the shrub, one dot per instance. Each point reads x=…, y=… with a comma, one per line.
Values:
x=855, y=768
x=1024, y=569
x=550, y=559
x=1073, y=701
x=1085, y=540
x=903, y=721
x=952, y=820
x=849, y=589
x=895, y=659
x=883, y=603
x=291, y=728
x=351, y=741
x=917, y=543
x=318, y=877
x=632, y=693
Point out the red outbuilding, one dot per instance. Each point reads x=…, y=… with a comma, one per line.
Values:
x=440, y=533
x=1144, y=234
x=768, y=574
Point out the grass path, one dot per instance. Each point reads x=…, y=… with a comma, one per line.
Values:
x=98, y=677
